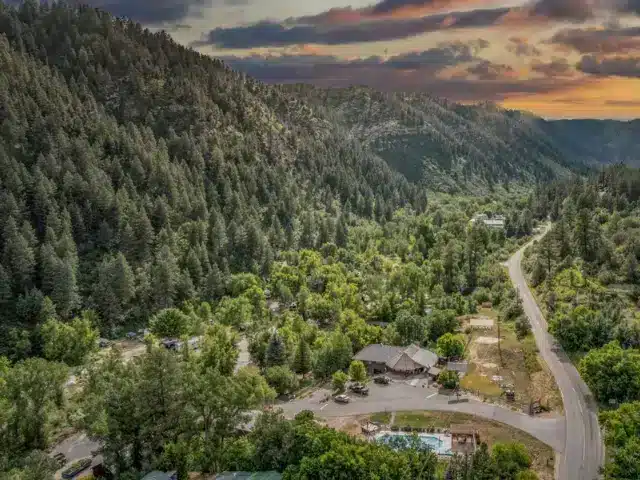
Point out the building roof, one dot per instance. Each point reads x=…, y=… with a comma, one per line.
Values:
x=156, y=475
x=397, y=358
x=377, y=353
x=494, y=223
x=249, y=476
x=426, y=358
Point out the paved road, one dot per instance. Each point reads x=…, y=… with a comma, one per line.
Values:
x=583, y=449
x=402, y=397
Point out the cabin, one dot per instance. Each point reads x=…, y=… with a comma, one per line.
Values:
x=380, y=358
x=496, y=222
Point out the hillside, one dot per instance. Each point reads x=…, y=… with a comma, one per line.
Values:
x=136, y=174
x=596, y=142
x=452, y=147
x=444, y=145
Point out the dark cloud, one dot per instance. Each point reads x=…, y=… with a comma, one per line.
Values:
x=273, y=34
x=557, y=67
x=438, y=58
x=610, y=66
x=522, y=48
x=630, y=6
x=389, y=6
x=486, y=70
x=329, y=71
x=151, y=11
x=340, y=26
x=577, y=10
x=384, y=9
x=280, y=68
x=592, y=40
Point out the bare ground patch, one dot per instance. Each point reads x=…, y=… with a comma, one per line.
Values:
x=510, y=364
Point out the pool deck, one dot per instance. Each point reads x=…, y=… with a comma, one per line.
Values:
x=445, y=440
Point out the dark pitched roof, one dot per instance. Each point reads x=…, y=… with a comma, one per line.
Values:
x=249, y=476
x=398, y=358
x=156, y=475
x=377, y=353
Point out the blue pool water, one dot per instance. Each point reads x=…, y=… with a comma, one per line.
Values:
x=439, y=443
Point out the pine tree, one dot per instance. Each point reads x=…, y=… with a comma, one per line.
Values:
x=341, y=233
x=5, y=290
x=18, y=257
x=276, y=351
x=65, y=290
x=166, y=276
x=302, y=360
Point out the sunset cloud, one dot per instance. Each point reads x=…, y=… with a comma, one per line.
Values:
x=555, y=57
x=557, y=67
x=610, y=66
x=522, y=48
x=599, y=40
x=480, y=81
x=274, y=34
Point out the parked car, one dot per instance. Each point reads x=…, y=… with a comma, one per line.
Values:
x=359, y=388
x=60, y=459
x=104, y=343
x=342, y=399
x=382, y=380
x=76, y=467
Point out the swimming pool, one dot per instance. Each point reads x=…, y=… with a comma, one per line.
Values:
x=440, y=443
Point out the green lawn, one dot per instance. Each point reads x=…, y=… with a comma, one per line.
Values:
x=429, y=419
x=381, y=417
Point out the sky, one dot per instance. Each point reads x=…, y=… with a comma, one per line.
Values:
x=554, y=58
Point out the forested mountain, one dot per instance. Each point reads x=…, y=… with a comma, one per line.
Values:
x=453, y=147
x=445, y=145
x=135, y=173
x=596, y=141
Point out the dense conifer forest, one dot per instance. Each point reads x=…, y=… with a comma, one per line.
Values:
x=146, y=186
x=137, y=174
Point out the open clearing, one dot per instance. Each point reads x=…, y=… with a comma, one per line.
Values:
x=486, y=340
x=497, y=365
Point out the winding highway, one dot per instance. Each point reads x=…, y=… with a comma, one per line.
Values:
x=583, y=450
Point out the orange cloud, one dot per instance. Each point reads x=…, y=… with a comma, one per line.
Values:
x=393, y=10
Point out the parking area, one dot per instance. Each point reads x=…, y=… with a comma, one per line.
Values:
x=77, y=447
x=380, y=398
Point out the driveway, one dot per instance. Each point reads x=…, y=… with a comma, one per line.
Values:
x=399, y=396
x=244, y=358
x=583, y=449
x=75, y=447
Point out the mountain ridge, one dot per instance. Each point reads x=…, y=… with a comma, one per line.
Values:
x=445, y=145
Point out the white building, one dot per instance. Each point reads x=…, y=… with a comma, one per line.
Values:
x=496, y=222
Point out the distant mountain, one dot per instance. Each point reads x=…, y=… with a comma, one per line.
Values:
x=444, y=145
x=596, y=142
x=453, y=147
